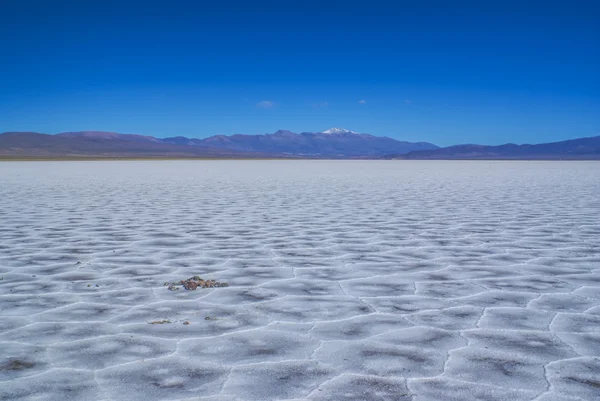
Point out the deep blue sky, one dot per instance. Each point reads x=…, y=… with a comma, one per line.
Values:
x=445, y=72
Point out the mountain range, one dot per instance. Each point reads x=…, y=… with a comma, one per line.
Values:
x=333, y=143
x=573, y=149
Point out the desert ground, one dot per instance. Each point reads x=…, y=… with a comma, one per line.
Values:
x=333, y=280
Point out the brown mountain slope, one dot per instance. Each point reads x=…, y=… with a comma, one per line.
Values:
x=32, y=144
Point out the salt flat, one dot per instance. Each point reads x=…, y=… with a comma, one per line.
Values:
x=348, y=280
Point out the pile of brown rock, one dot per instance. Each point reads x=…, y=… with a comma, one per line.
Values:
x=195, y=282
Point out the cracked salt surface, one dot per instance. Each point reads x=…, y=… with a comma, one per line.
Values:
x=349, y=280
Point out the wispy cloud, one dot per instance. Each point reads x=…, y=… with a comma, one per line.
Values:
x=362, y=101
x=320, y=105
x=408, y=101
x=265, y=104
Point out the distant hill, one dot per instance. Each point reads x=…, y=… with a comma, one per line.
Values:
x=574, y=149
x=333, y=143
x=109, y=136
x=100, y=144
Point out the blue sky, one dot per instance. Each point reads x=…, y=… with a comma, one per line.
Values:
x=444, y=72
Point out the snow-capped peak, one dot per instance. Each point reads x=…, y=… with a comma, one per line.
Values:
x=339, y=131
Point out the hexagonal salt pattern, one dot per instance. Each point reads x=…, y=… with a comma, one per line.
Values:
x=348, y=280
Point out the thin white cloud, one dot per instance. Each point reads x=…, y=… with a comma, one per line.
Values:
x=362, y=101
x=321, y=105
x=408, y=101
x=265, y=104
